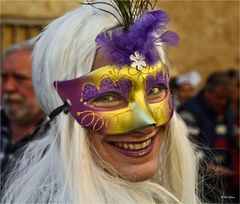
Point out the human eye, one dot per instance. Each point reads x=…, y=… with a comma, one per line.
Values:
x=21, y=77
x=157, y=93
x=107, y=101
x=4, y=76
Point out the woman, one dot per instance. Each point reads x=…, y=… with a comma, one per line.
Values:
x=118, y=140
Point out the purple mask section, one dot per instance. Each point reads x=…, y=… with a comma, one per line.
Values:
x=119, y=45
x=72, y=92
x=152, y=81
x=122, y=87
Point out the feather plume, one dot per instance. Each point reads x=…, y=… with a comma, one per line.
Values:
x=138, y=31
x=128, y=10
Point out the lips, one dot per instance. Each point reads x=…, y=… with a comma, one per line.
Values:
x=134, y=149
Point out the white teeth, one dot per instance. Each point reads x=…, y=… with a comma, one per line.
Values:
x=149, y=141
x=138, y=146
x=133, y=146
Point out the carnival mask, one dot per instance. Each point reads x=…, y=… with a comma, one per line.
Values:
x=115, y=100
x=133, y=92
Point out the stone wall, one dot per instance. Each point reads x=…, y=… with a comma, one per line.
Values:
x=209, y=30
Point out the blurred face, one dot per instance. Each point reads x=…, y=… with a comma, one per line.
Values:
x=135, y=154
x=234, y=91
x=17, y=91
x=185, y=91
x=217, y=98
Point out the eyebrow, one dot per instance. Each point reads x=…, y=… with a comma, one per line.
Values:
x=16, y=74
x=122, y=87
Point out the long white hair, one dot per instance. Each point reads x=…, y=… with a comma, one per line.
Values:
x=59, y=166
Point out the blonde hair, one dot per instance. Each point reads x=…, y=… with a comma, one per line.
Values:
x=59, y=166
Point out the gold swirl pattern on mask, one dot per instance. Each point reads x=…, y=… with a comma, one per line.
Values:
x=102, y=124
x=142, y=73
x=158, y=113
x=115, y=73
x=114, y=116
x=90, y=113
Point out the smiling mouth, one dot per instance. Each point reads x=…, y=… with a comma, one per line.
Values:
x=134, y=149
x=133, y=146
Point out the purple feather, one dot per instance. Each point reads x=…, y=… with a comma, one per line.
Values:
x=169, y=37
x=102, y=38
x=119, y=45
x=148, y=23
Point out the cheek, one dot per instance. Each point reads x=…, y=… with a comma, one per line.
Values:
x=102, y=153
x=96, y=144
x=27, y=91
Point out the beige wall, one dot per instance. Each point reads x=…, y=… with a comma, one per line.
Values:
x=37, y=8
x=209, y=34
x=209, y=30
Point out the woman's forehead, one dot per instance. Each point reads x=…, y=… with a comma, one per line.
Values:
x=100, y=59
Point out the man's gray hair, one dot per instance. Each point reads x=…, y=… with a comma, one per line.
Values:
x=24, y=45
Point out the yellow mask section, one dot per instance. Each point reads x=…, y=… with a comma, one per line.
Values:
x=133, y=87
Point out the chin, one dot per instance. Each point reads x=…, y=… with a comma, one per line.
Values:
x=140, y=173
x=137, y=164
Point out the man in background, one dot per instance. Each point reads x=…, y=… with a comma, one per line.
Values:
x=210, y=120
x=20, y=112
x=185, y=88
x=234, y=99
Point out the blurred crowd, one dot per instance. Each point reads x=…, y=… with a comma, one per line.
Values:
x=211, y=114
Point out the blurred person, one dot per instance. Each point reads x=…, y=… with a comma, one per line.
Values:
x=20, y=112
x=186, y=88
x=114, y=136
x=210, y=122
x=173, y=86
x=186, y=85
x=234, y=96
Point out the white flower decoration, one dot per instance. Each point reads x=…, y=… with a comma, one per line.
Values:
x=138, y=61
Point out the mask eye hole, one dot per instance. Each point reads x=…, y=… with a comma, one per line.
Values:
x=157, y=93
x=107, y=102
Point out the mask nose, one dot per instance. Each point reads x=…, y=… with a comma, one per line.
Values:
x=142, y=116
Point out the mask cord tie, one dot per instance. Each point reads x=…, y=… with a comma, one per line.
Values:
x=57, y=111
x=46, y=124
